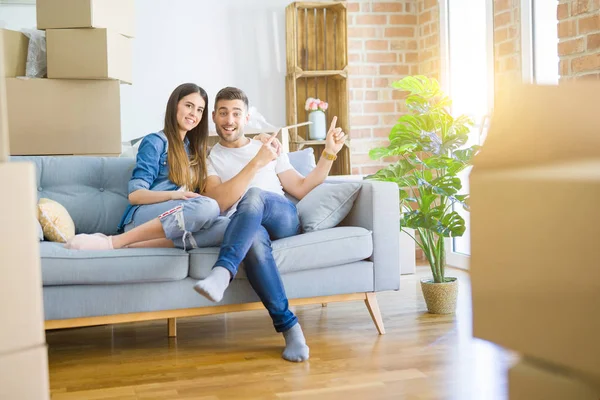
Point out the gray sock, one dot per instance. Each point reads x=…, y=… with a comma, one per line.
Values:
x=214, y=285
x=296, y=349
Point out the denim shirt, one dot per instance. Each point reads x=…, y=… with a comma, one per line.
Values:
x=151, y=170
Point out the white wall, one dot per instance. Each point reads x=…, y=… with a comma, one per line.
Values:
x=208, y=42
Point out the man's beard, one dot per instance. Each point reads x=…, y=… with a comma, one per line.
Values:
x=230, y=138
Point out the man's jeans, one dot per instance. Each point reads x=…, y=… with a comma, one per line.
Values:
x=260, y=217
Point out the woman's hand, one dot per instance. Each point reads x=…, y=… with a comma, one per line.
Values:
x=178, y=195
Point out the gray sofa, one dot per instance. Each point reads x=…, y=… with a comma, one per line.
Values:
x=83, y=288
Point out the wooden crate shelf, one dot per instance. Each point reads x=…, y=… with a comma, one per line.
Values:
x=317, y=38
x=317, y=61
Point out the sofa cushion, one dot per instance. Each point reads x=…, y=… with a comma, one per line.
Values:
x=62, y=266
x=327, y=205
x=312, y=250
x=57, y=224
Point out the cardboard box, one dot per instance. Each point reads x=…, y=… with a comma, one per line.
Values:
x=535, y=274
x=530, y=381
x=118, y=15
x=20, y=271
x=58, y=116
x=25, y=375
x=88, y=54
x=14, y=54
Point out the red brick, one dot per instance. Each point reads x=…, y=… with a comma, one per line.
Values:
x=370, y=169
x=571, y=47
x=430, y=4
x=425, y=55
x=399, y=32
x=382, y=58
x=381, y=82
x=372, y=95
x=593, y=41
x=360, y=70
x=425, y=17
x=353, y=7
x=355, y=44
x=397, y=70
x=381, y=132
x=580, y=7
x=356, y=107
x=414, y=70
x=507, y=48
x=357, y=83
x=562, y=11
x=502, y=5
x=387, y=7
x=412, y=45
x=411, y=57
x=362, y=133
x=588, y=77
x=588, y=24
x=363, y=146
x=376, y=108
x=354, y=57
x=595, y=6
x=500, y=35
x=377, y=44
x=586, y=63
x=371, y=19
x=567, y=29
x=502, y=19
x=563, y=67
x=407, y=19
x=362, y=32
x=389, y=119
x=356, y=171
x=432, y=41
x=364, y=120
x=365, y=7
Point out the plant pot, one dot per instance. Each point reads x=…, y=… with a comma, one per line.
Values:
x=318, y=129
x=440, y=297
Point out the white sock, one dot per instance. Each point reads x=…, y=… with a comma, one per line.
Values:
x=214, y=285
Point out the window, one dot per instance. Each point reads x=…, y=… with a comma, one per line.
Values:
x=539, y=24
x=468, y=78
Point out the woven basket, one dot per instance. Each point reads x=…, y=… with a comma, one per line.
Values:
x=440, y=297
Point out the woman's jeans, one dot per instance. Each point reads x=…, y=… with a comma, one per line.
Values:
x=188, y=223
x=260, y=217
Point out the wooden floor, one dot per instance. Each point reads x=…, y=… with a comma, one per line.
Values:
x=237, y=356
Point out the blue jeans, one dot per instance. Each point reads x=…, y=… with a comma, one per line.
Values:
x=260, y=217
x=188, y=223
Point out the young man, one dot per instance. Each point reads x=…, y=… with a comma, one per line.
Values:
x=248, y=178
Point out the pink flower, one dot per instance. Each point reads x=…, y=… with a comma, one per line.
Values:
x=313, y=106
x=323, y=106
x=308, y=102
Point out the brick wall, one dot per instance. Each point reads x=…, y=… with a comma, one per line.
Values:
x=507, y=44
x=388, y=40
x=429, y=38
x=579, y=39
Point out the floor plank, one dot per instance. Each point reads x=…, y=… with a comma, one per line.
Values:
x=237, y=356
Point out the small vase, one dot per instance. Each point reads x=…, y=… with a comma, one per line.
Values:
x=317, y=130
x=440, y=297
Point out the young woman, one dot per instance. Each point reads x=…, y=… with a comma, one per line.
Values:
x=165, y=208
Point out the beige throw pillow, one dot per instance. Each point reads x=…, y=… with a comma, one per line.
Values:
x=56, y=222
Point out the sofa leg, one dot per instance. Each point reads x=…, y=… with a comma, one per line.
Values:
x=373, y=306
x=172, y=322
x=324, y=304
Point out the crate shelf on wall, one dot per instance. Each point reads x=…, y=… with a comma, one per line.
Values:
x=317, y=66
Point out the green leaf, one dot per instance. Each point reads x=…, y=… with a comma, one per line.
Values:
x=466, y=155
x=451, y=225
x=446, y=185
x=379, y=152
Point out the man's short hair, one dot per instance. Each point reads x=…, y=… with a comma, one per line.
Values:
x=231, y=93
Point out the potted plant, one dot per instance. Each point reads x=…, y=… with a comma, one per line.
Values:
x=316, y=114
x=429, y=144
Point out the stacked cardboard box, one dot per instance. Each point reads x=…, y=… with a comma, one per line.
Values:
x=535, y=227
x=76, y=110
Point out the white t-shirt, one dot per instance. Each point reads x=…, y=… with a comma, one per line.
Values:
x=226, y=163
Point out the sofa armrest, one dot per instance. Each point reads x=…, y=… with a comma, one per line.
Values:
x=377, y=209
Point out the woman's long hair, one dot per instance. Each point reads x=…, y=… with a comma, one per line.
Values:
x=183, y=170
